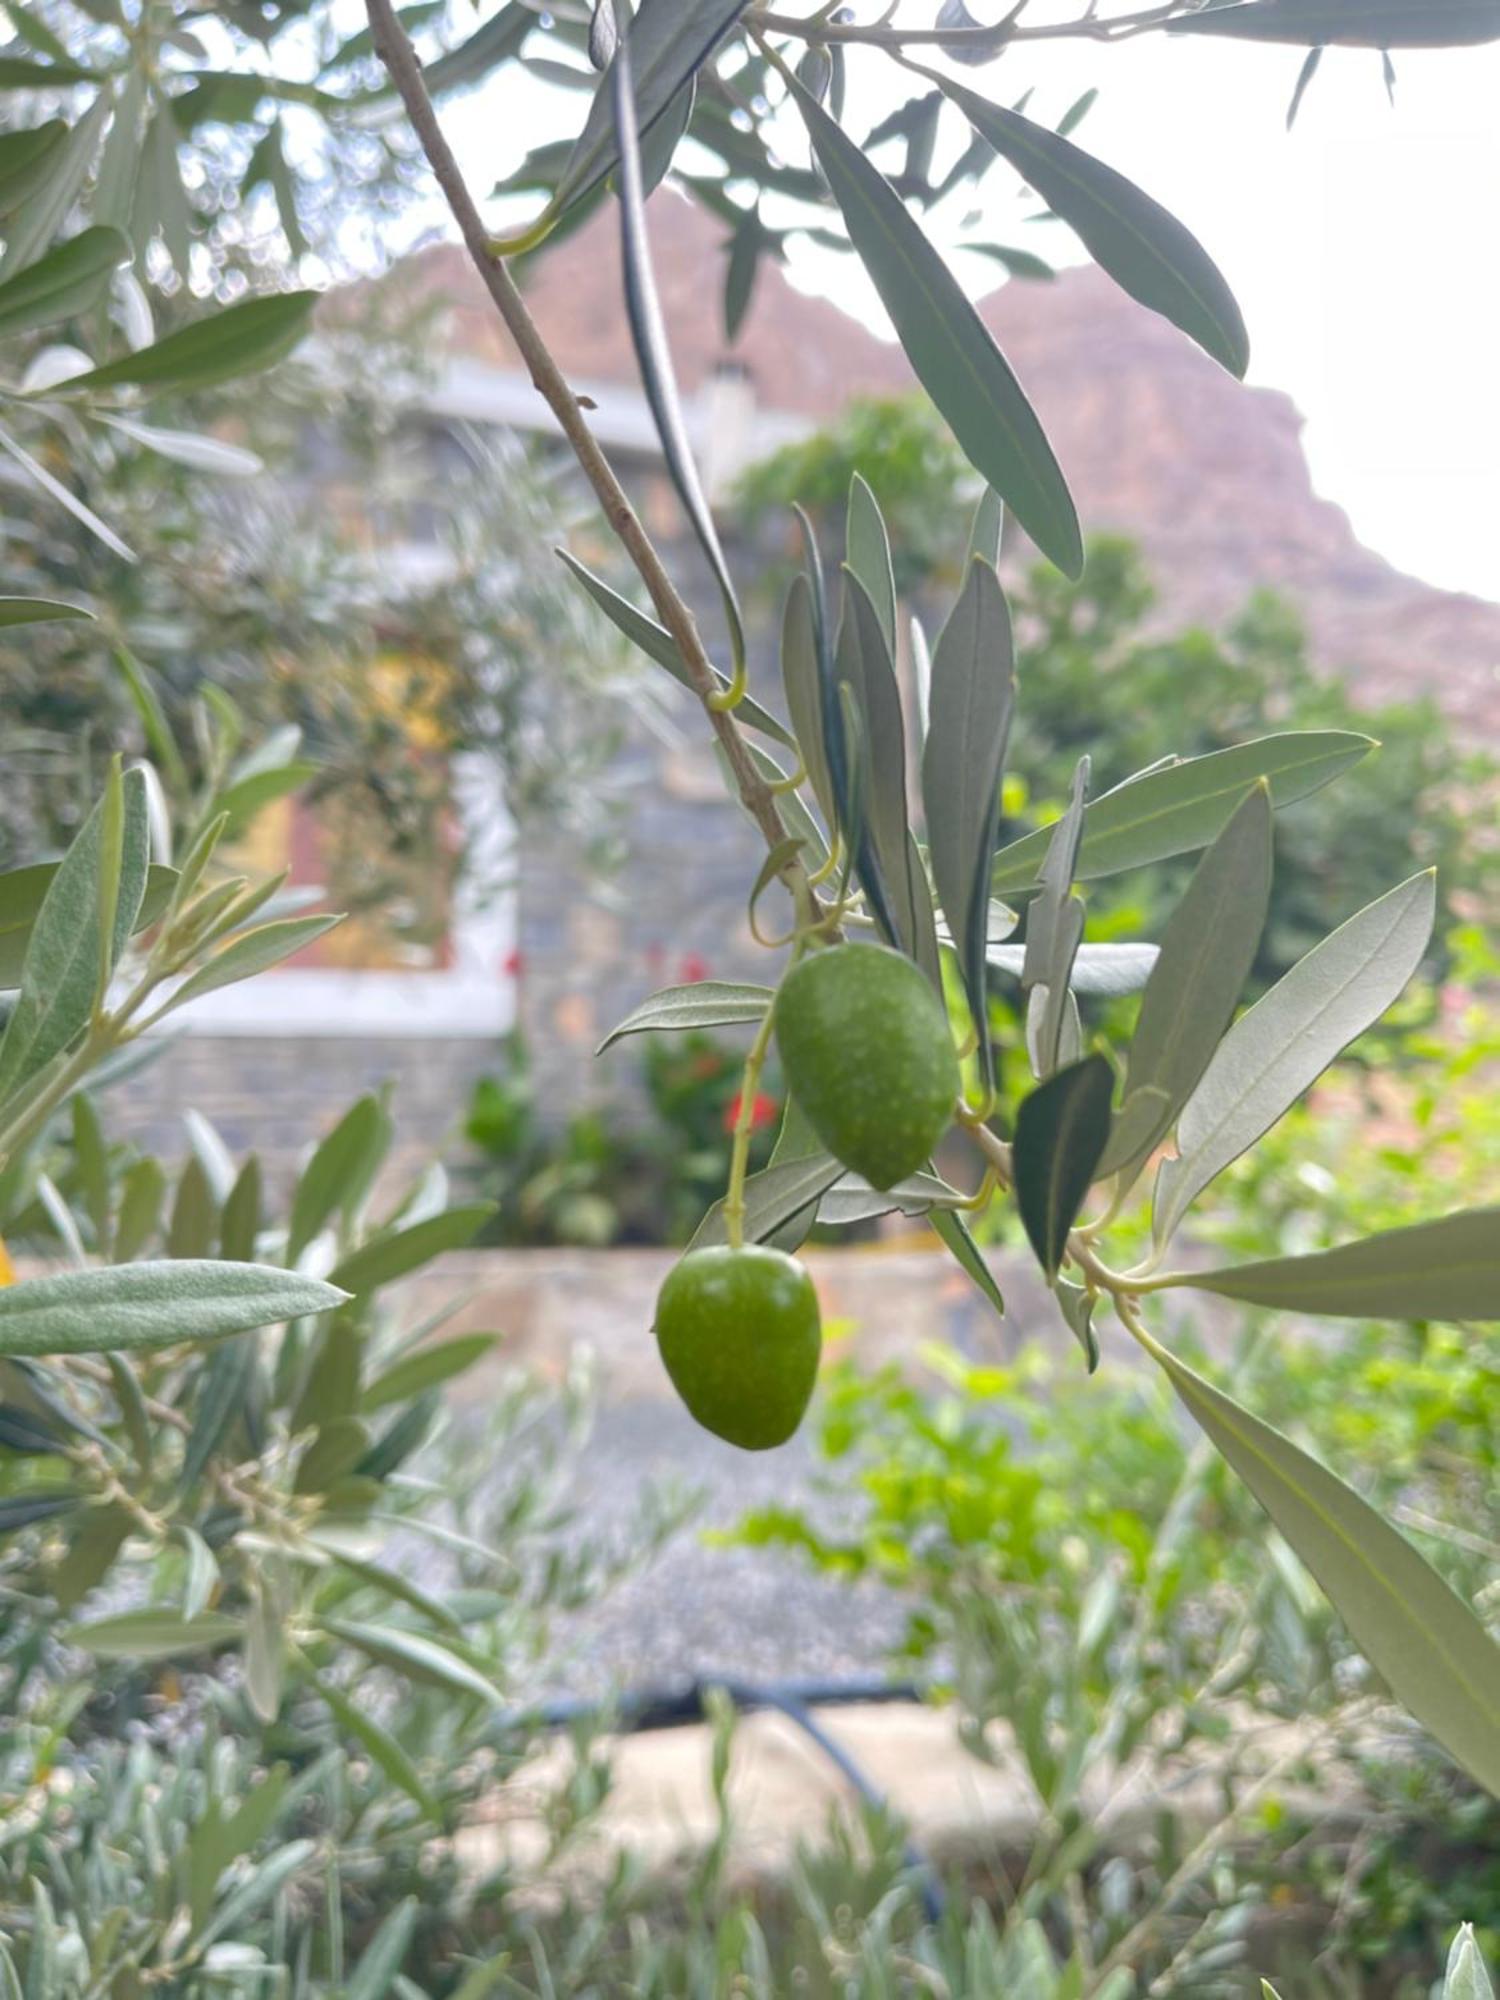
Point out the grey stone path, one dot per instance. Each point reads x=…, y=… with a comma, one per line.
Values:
x=696, y=1610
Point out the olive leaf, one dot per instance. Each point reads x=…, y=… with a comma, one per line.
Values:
x=1465, y=1977
x=338, y=1175
x=38, y=611
x=647, y=331
x=778, y=1196
x=947, y=344
x=970, y=704
x=1444, y=1269
x=966, y=1253
x=1054, y=932
x=801, y=680
x=666, y=44
x=397, y=1251
x=1104, y=971
x=27, y=161
x=1206, y=954
x=1358, y=24
x=889, y=868
x=657, y=643
x=240, y=340
x=61, y=975
x=1146, y=250
x=1062, y=1128
x=869, y=556
x=135, y=1306
x=1183, y=805
x=1285, y=1041
x=710, y=1003
x=70, y=279
x=251, y=952
x=1418, y=1634
x=154, y=1635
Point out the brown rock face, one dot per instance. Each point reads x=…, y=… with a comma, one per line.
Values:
x=1157, y=441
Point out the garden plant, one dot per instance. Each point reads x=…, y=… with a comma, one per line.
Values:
x=142, y=135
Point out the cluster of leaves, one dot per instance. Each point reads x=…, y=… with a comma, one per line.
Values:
x=1191, y=1071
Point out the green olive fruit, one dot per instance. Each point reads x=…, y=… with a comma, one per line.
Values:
x=866, y=1052
x=740, y=1334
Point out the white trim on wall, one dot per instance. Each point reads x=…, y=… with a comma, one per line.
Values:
x=474, y=997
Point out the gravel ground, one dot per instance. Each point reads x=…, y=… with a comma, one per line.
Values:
x=756, y=1614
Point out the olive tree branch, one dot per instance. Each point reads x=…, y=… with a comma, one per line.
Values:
x=1001, y=34
x=394, y=47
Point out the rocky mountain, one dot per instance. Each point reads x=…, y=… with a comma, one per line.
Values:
x=1157, y=441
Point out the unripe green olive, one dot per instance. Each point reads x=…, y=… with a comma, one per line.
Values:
x=740, y=1335
x=867, y=1053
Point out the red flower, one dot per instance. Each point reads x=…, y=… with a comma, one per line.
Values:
x=692, y=970
x=763, y=1110
x=513, y=964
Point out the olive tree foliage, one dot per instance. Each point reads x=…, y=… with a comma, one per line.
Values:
x=861, y=859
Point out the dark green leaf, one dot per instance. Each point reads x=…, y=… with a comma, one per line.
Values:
x=710, y=1003
x=747, y=246
x=240, y=340
x=1447, y=1269
x=1145, y=250
x=1062, y=1129
x=1420, y=1637
x=26, y=1510
x=801, y=679
x=134, y=1306
x=1183, y=806
x=948, y=345
x=28, y=1433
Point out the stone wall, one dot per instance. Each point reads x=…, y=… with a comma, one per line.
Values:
x=279, y=1096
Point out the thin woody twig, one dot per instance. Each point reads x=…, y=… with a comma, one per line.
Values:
x=394, y=47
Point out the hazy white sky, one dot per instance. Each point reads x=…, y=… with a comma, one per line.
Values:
x=1361, y=247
